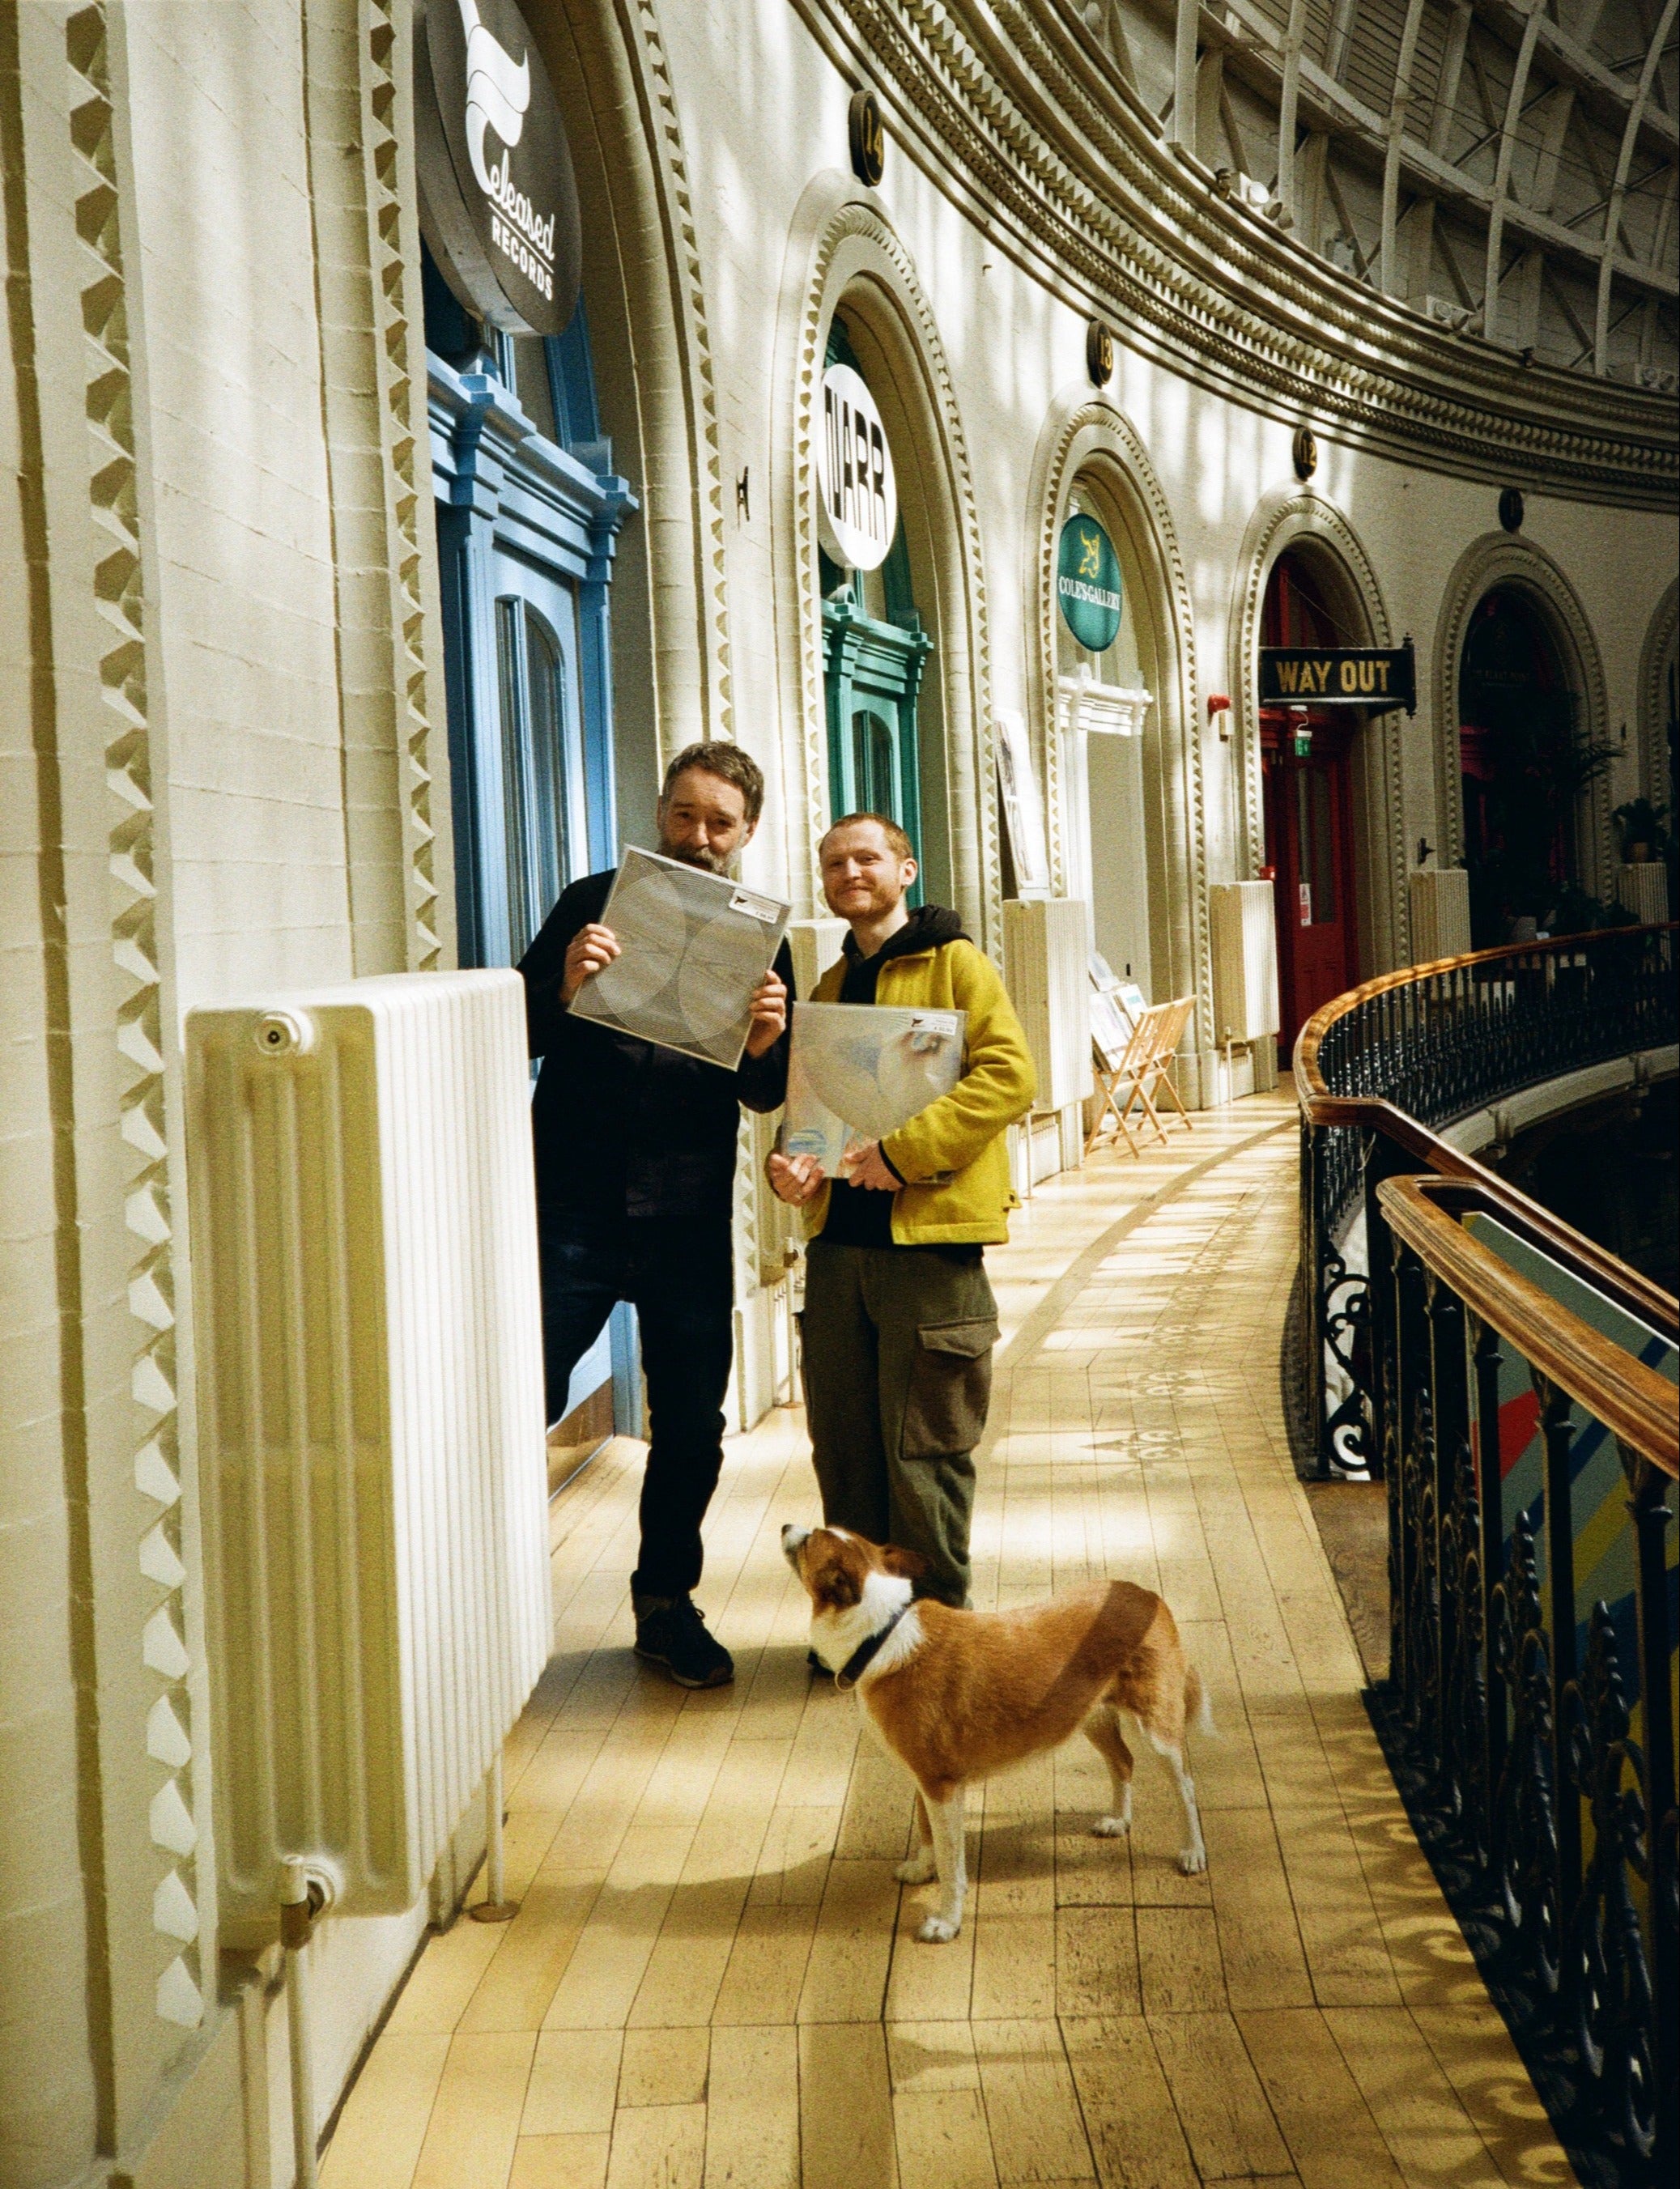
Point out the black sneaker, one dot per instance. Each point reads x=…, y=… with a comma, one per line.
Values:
x=670, y=1632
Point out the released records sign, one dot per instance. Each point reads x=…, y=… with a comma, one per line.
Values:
x=1375, y=676
x=499, y=204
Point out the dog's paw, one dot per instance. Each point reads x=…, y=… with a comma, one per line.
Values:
x=918, y=1870
x=939, y=1931
x=1112, y=1828
x=1193, y=1860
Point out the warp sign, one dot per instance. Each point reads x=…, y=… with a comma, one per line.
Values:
x=857, y=497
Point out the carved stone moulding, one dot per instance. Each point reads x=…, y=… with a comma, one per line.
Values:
x=1008, y=113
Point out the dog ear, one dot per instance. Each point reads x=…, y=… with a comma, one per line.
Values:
x=908, y=1565
x=838, y=1587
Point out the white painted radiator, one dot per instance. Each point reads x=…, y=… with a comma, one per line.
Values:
x=1440, y=913
x=1047, y=971
x=1242, y=920
x=371, y=1421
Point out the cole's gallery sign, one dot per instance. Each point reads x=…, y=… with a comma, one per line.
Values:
x=1375, y=676
x=499, y=204
x=1088, y=583
x=857, y=497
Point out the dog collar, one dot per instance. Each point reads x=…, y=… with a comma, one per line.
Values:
x=863, y=1655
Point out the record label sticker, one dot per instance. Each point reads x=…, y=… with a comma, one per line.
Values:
x=757, y=908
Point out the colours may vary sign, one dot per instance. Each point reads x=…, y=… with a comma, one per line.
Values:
x=857, y=494
x=1375, y=676
x=1088, y=583
x=498, y=202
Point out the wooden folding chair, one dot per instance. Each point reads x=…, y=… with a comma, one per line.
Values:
x=1133, y=1063
x=1157, y=1072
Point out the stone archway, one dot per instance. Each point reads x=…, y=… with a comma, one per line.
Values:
x=843, y=250
x=650, y=335
x=1496, y=559
x=1296, y=517
x=1657, y=698
x=1087, y=437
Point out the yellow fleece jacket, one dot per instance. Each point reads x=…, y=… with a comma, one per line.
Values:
x=952, y=1156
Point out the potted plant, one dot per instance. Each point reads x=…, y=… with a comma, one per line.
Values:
x=1643, y=835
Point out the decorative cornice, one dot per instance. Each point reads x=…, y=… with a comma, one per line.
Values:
x=1655, y=658
x=644, y=40
x=178, y=1891
x=1009, y=114
x=399, y=366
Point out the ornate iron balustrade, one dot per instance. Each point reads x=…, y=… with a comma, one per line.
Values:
x=1536, y=1748
x=1531, y=1726
x=1378, y=1067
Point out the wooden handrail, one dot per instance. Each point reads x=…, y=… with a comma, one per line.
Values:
x=1582, y=1256
x=1631, y=1401
x=1309, y=1082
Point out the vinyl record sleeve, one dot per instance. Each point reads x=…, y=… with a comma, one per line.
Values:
x=692, y=947
x=857, y=1072
x=1110, y=1029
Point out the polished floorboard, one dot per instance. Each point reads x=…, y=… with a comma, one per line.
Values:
x=714, y=1977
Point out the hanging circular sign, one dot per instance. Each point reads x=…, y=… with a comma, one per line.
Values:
x=1088, y=583
x=499, y=203
x=858, y=497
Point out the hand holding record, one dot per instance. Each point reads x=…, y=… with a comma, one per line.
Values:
x=591, y=949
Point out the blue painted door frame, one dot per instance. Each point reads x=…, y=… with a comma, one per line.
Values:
x=505, y=493
x=521, y=518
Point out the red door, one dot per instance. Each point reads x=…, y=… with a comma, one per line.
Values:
x=1308, y=847
x=1309, y=810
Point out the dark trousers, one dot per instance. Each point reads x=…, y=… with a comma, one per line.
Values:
x=679, y=1279
x=896, y=1348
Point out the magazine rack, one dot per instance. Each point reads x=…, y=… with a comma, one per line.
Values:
x=1143, y=1073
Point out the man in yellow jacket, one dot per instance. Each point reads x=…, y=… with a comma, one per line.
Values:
x=899, y=1319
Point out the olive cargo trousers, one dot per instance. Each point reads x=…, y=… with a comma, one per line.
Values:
x=897, y=1354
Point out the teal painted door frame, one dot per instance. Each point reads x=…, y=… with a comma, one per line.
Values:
x=872, y=674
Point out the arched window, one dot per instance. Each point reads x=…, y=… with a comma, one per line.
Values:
x=536, y=708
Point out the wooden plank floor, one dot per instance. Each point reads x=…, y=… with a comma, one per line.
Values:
x=714, y=1978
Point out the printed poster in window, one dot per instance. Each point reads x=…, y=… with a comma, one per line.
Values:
x=1023, y=805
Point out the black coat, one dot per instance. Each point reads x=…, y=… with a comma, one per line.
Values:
x=625, y=1130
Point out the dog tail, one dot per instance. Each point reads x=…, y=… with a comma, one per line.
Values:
x=1198, y=1704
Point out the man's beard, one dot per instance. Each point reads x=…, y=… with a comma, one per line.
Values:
x=707, y=861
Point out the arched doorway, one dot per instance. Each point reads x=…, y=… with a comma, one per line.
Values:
x=874, y=651
x=1307, y=770
x=895, y=701
x=1523, y=769
x=1116, y=728
x=1107, y=728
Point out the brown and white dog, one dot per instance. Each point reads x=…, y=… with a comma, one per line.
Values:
x=958, y=1695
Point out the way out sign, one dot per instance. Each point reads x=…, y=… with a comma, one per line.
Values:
x=1375, y=676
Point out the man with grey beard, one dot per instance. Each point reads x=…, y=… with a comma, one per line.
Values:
x=635, y=1169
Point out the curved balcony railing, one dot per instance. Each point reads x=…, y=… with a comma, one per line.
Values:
x=1379, y=1069
x=1515, y=1384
